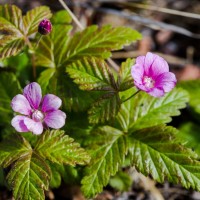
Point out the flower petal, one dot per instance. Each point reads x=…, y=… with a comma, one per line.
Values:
x=141, y=86
x=21, y=105
x=34, y=94
x=140, y=60
x=137, y=72
x=156, y=92
x=18, y=123
x=159, y=66
x=50, y=102
x=167, y=81
x=35, y=127
x=55, y=119
x=155, y=65
x=149, y=59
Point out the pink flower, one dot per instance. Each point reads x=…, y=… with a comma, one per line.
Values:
x=36, y=113
x=151, y=74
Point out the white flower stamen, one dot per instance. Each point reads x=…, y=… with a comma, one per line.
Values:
x=149, y=82
x=37, y=116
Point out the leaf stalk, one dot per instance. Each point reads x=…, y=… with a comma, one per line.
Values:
x=131, y=96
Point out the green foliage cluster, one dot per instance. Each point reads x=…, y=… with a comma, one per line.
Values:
x=109, y=128
x=189, y=130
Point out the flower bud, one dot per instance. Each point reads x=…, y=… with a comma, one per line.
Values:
x=45, y=27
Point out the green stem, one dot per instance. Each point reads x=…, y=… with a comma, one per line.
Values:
x=32, y=57
x=38, y=42
x=131, y=96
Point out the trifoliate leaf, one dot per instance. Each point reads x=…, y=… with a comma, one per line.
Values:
x=92, y=74
x=108, y=152
x=33, y=17
x=29, y=177
x=98, y=42
x=142, y=110
x=13, y=148
x=60, y=148
x=157, y=152
x=104, y=109
x=125, y=80
x=7, y=92
x=11, y=28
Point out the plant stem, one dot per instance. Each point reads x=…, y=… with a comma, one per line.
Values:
x=71, y=14
x=131, y=96
x=38, y=42
x=32, y=57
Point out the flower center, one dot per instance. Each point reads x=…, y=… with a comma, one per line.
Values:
x=37, y=116
x=149, y=82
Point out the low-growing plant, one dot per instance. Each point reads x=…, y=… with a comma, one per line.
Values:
x=107, y=117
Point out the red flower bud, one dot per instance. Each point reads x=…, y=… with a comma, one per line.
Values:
x=45, y=27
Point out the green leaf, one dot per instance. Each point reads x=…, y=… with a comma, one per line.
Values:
x=92, y=74
x=71, y=175
x=12, y=149
x=29, y=177
x=189, y=132
x=66, y=173
x=56, y=170
x=104, y=109
x=60, y=148
x=33, y=17
x=61, y=17
x=121, y=181
x=45, y=53
x=45, y=78
x=29, y=174
x=143, y=110
x=11, y=31
x=107, y=153
x=157, y=151
x=51, y=49
x=125, y=80
x=193, y=88
x=7, y=92
x=98, y=42
x=18, y=62
x=73, y=98
x=12, y=14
